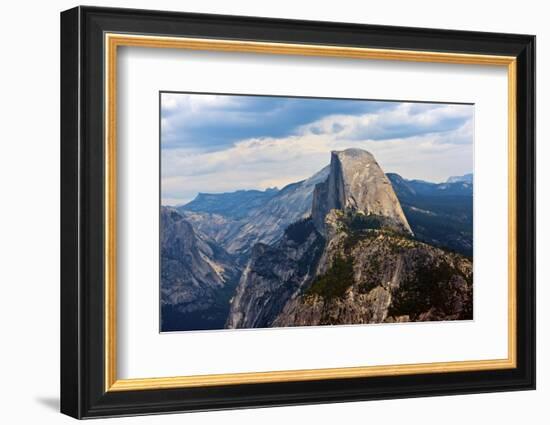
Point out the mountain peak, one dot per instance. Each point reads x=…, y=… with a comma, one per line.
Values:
x=353, y=153
x=356, y=182
x=466, y=178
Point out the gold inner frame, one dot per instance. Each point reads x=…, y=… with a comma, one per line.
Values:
x=113, y=41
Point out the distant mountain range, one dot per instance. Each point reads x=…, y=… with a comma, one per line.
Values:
x=348, y=245
x=233, y=205
x=239, y=220
x=466, y=178
x=440, y=214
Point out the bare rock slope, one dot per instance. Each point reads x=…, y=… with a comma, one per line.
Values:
x=274, y=275
x=356, y=182
x=260, y=219
x=197, y=276
x=353, y=261
x=374, y=276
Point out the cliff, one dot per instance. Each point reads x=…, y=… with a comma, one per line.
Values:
x=353, y=261
x=372, y=276
x=197, y=276
x=357, y=183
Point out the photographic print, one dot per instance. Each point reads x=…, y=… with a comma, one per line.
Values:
x=292, y=211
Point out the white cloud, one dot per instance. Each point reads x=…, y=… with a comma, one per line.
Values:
x=193, y=103
x=406, y=118
x=181, y=111
x=266, y=162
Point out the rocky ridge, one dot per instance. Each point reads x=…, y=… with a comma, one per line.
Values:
x=337, y=248
x=264, y=222
x=364, y=266
x=357, y=183
x=196, y=274
x=372, y=276
x=440, y=214
x=274, y=275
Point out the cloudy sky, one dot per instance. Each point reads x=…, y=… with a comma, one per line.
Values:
x=222, y=143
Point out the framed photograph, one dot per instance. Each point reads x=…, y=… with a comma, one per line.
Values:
x=261, y=212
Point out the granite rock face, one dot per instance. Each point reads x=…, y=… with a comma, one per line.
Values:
x=267, y=224
x=260, y=219
x=195, y=272
x=374, y=276
x=353, y=261
x=235, y=205
x=333, y=249
x=274, y=275
x=357, y=183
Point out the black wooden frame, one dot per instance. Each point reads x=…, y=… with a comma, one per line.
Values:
x=82, y=219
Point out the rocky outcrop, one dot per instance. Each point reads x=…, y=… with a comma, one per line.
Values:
x=197, y=276
x=354, y=261
x=357, y=183
x=274, y=275
x=267, y=224
x=216, y=227
x=336, y=248
x=374, y=276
